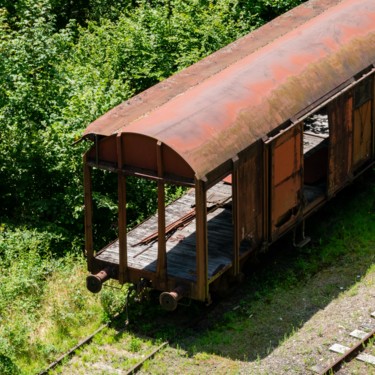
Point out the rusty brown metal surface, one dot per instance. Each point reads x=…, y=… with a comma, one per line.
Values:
x=247, y=89
x=94, y=282
x=362, y=130
x=286, y=179
x=89, y=246
x=156, y=96
x=340, y=113
x=169, y=300
x=201, y=242
x=236, y=196
x=250, y=196
x=240, y=112
x=121, y=186
x=373, y=116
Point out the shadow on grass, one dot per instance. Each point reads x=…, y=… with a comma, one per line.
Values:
x=284, y=290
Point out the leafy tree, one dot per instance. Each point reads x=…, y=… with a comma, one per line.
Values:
x=56, y=76
x=55, y=80
x=30, y=94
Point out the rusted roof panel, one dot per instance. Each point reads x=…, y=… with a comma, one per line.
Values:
x=213, y=110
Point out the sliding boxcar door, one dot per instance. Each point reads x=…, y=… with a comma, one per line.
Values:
x=362, y=124
x=285, y=179
x=249, y=186
x=340, y=142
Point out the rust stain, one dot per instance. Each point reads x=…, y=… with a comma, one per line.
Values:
x=161, y=93
x=215, y=115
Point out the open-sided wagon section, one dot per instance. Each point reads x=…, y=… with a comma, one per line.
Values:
x=181, y=239
x=243, y=114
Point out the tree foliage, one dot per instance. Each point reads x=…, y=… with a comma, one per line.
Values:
x=63, y=63
x=58, y=74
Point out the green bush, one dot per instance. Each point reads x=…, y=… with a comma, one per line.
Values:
x=44, y=305
x=55, y=81
x=63, y=64
x=7, y=366
x=22, y=283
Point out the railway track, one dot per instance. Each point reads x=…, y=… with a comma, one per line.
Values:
x=73, y=350
x=129, y=352
x=72, y=358
x=128, y=347
x=348, y=354
x=120, y=354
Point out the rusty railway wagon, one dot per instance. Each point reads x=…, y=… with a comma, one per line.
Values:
x=236, y=129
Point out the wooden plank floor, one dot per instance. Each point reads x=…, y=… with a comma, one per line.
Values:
x=181, y=254
x=311, y=142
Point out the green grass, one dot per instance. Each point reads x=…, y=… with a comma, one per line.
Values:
x=111, y=349
x=289, y=286
x=45, y=308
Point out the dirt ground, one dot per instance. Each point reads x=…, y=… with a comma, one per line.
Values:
x=291, y=308
x=344, y=303
x=309, y=345
x=289, y=330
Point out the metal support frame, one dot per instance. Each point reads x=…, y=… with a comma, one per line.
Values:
x=123, y=255
x=236, y=219
x=302, y=240
x=201, y=240
x=161, y=268
x=266, y=196
x=87, y=182
x=373, y=117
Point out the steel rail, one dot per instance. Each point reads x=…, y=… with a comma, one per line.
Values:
x=349, y=355
x=73, y=350
x=138, y=366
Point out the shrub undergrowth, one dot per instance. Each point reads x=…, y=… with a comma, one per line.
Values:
x=62, y=65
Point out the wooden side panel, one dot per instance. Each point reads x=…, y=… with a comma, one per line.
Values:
x=363, y=123
x=250, y=187
x=340, y=142
x=286, y=180
x=362, y=135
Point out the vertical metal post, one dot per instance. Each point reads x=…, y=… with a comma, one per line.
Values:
x=373, y=116
x=349, y=122
x=161, y=268
x=123, y=255
x=236, y=218
x=89, y=247
x=201, y=239
x=266, y=194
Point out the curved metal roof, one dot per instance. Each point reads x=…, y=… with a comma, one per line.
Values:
x=210, y=112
